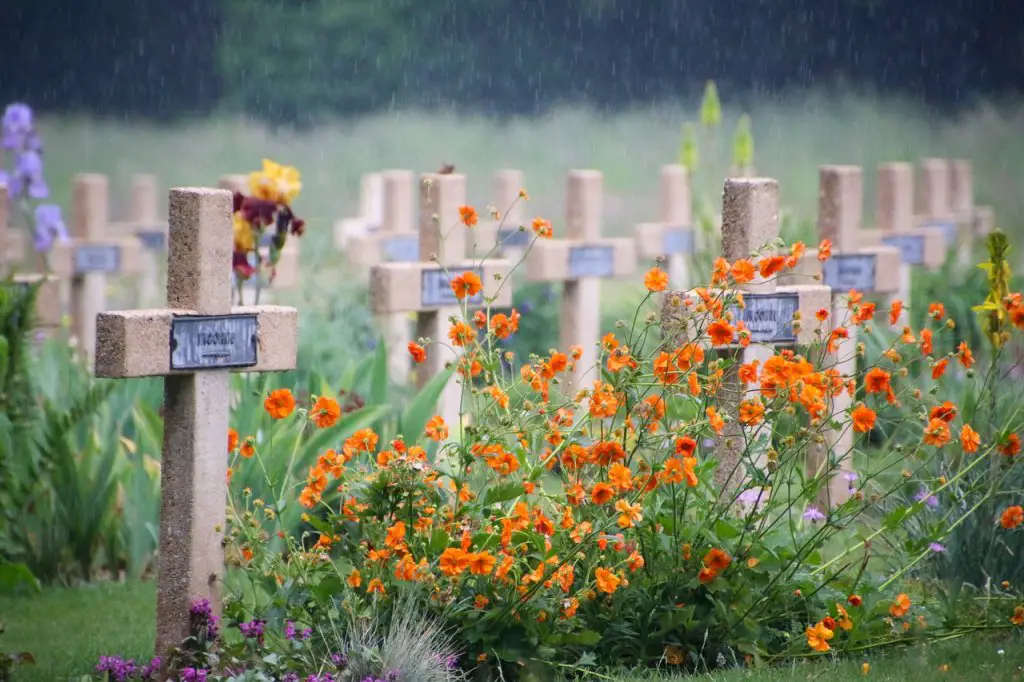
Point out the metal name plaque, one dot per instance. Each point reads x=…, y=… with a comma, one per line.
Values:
x=948, y=229
x=213, y=341
x=591, y=261
x=911, y=247
x=402, y=249
x=677, y=240
x=513, y=237
x=436, y=288
x=769, y=317
x=843, y=272
x=97, y=258
x=154, y=240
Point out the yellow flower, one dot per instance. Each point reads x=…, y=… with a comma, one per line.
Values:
x=245, y=240
x=277, y=183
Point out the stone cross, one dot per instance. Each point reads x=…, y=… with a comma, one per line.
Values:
x=286, y=272
x=866, y=269
x=144, y=223
x=89, y=256
x=503, y=236
x=371, y=212
x=581, y=260
x=933, y=202
x=424, y=287
x=194, y=344
x=976, y=221
x=673, y=237
x=750, y=220
x=12, y=253
x=894, y=216
x=395, y=241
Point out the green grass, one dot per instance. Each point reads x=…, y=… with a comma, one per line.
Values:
x=68, y=629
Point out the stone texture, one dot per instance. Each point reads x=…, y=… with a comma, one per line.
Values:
x=894, y=210
x=442, y=234
x=367, y=250
x=840, y=206
x=549, y=258
x=396, y=287
x=370, y=213
x=505, y=199
x=933, y=189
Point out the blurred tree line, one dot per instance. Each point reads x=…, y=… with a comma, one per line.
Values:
x=298, y=60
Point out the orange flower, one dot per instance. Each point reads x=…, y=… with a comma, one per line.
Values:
x=325, y=412
x=771, y=265
x=926, y=341
x=603, y=403
x=1012, y=517
x=748, y=372
x=620, y=476
x=375, y=587
x=743, y=271
x=855, y=600
x=607, y=581
x=970, y=440
x=895, y=309
x=900, y=607
x=940, y=368
x=280, y=403
x=602, y=493
x=436, y=429
x=964, y=355
x=715, y=420
x=354, y=579
x=630, y=514
x=461, y=334
x=946, y=412
x=719, y=271
x=706, y=575
x=232, y=440
x=542, y=228
x=1011, y=446
x=936, y=311
x=503, y=325
x=418, y=352
x=844, y=618
x=877, y=381
x=468, y=216
x=936, y=433
x=822, y=314
x=481, y=563
x=395, y=535
x=466, y=284
x=656, y=279
x=721, y=332
x=619, y=359
x=248, y=448
x=818, y=636
x=717, y=559
x=751, y=412
x=863, y=418
x=1018, y=616
x=453, y=561
x=825, y=250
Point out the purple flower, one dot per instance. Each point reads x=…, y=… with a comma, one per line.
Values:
x=289, y=630
x=202, y=619
x=290, y=677
x=193, y=675
x=27, y=177
x=253, y=629
x=49, y=227
x=813, y=514
x=16, y=126
x=753, y=499
x=117, y=668
x=937, y=547
x=339, y=660
x=306, y=633
x=926, y=496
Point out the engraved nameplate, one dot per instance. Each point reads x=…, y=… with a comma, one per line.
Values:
x=513, y=237
x=911, y=247
x=843, y=272
x=591, y=261
x=213, y=342
x=402, y=249
x=948, y=229
x=436, y=289
x=97, y=258
x=677, y=240
x=769, y=317
x=154, y=240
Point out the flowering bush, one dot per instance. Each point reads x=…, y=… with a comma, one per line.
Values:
x=25, y=181
x=559, y=529
x=269, y=203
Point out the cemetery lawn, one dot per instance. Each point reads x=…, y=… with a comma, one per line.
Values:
x=67, y=629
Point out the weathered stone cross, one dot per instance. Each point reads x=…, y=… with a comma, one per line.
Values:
x=932, y=202
x=424, y=287
x=673, y=237
x=371, y=212
x=975, y=221
x=89, y=256
x=144, y=223
x=869, y=269
x=581, y=261
x=194, y=344
x=750, y=221
x=504, y=233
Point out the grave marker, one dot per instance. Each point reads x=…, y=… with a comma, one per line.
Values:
x=580, y=261
x=673, y=237
x=750, y=220
x=420, y=287
x=933, y=209
x=371, y=212
x=868, y=270
x=193, y=344
x=976, y=221
x=89, y=256
x=503, y=236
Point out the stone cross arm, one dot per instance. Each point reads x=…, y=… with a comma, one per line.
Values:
x=78, y=256
x=559, y=260
x=918, y=245
x=420, y=287
x=874, y=269
x=160, y=342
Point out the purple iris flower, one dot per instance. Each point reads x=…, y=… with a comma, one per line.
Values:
x=27, y=178
x=16, y=126
x=49, y=227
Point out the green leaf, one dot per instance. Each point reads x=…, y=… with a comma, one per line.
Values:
x=423, y=406
x=725, y=530
x=17, y=578
x=502, y=493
